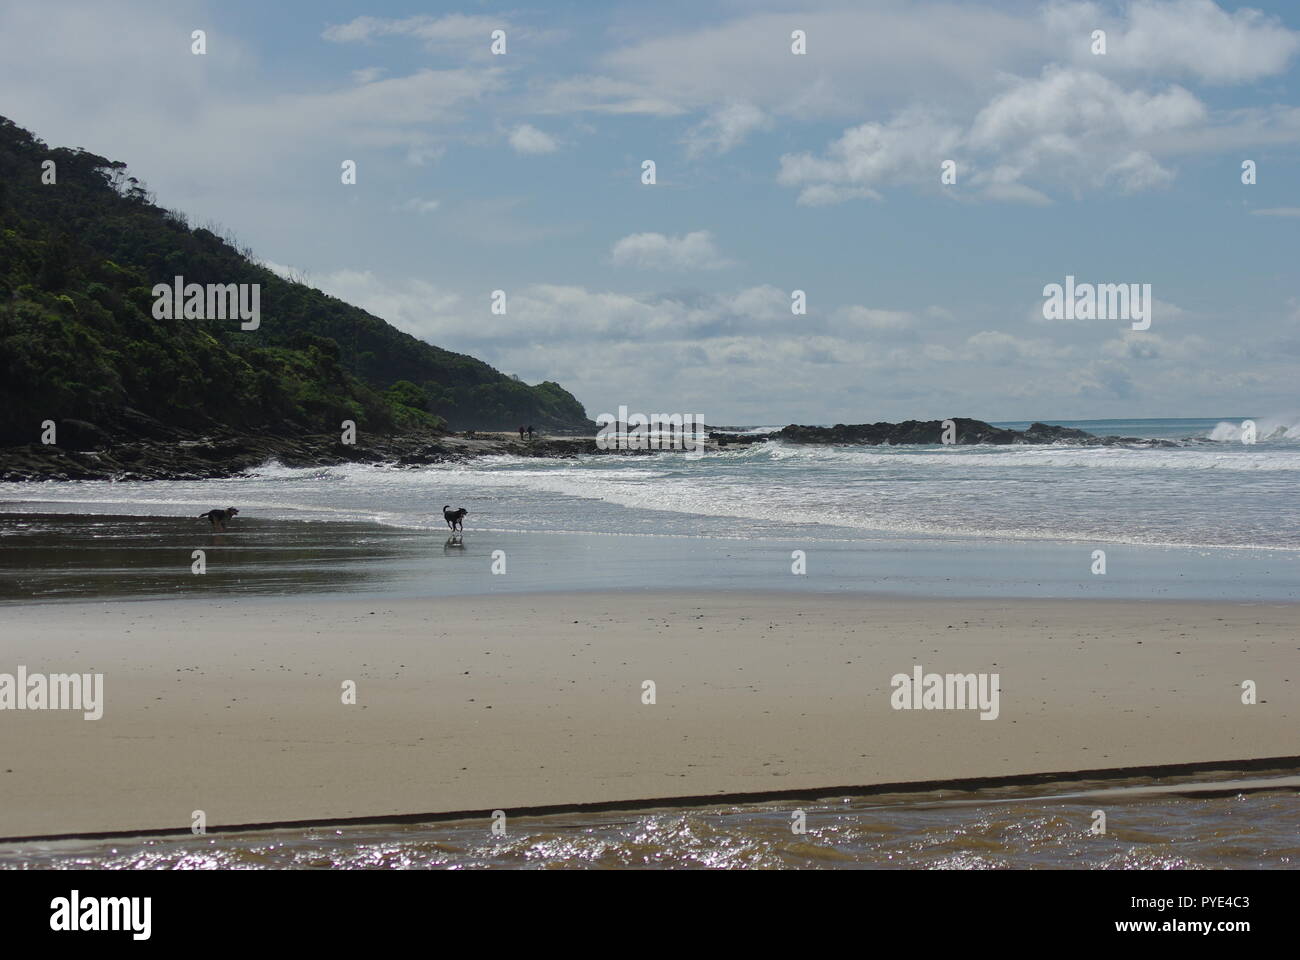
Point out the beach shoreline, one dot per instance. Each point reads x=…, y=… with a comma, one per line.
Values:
x=234, y=706
x=61, y=552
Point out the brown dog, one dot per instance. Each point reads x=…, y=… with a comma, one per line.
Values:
x=218, y=518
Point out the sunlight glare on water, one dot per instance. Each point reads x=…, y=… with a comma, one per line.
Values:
x=977, y=830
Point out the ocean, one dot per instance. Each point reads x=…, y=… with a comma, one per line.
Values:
x=1210, y=490
x=1209, y=517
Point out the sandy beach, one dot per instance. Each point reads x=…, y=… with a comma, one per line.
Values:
x=233, y=706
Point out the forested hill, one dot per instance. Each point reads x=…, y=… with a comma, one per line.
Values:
x=78, y=338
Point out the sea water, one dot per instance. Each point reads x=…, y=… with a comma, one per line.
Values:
x=1205, y=517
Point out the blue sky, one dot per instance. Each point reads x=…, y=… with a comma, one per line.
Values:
x=775, y=172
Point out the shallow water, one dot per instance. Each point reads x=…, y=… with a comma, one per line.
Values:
x=1209, y=518
x=60, y=557
x=1043, y=827
x=1203, y=492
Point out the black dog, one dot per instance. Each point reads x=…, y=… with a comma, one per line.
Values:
x=218, y=518
x=454, y=517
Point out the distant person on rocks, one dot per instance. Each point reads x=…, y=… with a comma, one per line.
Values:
x=521, y=433
x=530, y=433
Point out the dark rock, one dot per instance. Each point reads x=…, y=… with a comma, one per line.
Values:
x=966, y=431
x=80, y=435
x=142, y=426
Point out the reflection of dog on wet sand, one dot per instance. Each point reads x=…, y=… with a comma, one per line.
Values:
x=218, y=518
x=454, y=518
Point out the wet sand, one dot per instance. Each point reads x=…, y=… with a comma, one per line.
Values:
x=233, y=706
x=82, y=554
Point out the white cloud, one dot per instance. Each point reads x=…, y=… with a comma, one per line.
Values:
x=184, y=122
x=1070, y=109
x=825, y=195
x=284, y=270
x=1194, y=38
x=725, y=128
x=996, y=189
x=857, y=56
x=420, y=153
x=420, y=205
x=908, y=149
x=851, y=318
x=597, y=94
x=1079, y=130
x=528, y=139
x=993, y=346
x=1067, y=128
x=412, y=305
x=434, y=32
x=656, y=251
x=1149, y=346
x=890, y=54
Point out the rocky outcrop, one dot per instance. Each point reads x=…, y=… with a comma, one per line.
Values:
x=91, y=455
x=966, y=431
x=154, y=452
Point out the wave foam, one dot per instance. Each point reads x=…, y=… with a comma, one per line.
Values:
x=1267, y=430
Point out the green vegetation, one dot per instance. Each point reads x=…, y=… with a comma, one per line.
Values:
x=78, y=339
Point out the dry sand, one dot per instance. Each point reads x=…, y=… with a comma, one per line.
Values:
x=234, y=707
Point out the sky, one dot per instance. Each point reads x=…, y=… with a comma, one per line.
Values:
x=775, y=172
